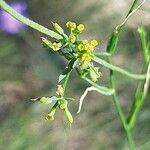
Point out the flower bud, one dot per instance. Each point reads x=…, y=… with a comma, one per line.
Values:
x=56, y=46
x=72, y=39
x=60, y=90
x=86, y=58
x=45, y=100
x=81, y=47
x=58, y=28
x=94, y=43
x=50, y=115
x=71, y=25
x=47, y=43
x=80, y=27
x=94, y=73
x=63, y=104
x=68, y=24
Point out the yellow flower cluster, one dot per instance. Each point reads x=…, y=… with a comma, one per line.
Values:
x=87, y=49
x=75, y=28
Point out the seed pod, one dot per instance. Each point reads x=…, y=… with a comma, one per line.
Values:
x=68, y=115
x=111, y=47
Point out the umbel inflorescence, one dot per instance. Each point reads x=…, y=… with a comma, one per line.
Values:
x=72, y=48
x=79, y=53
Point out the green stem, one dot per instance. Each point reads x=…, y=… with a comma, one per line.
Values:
x=132, y=7
x=139, y=99
x=103, y=89
x=130, y=13
x=66, y=81
x=101, y=54
x=28, y=22
x=119, y=110
x=120, y=70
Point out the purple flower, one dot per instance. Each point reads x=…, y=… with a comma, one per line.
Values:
x=8, y=23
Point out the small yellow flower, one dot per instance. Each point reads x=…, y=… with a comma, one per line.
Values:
x=81, y=47
x=50, y=117
x=56, y=46
x=60, y=90
x=80, y=27
x=71, y=25
x=68, y=24
x=86, y=58
x=91, y=48
x=72, y=39
x=94, y=43
x=63, y=104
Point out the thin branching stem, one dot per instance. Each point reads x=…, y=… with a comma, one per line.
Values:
x=119, y=109
x=101, y=54
x=66, y=81
x=130, y=13
x=28, y=22
x=118, y=69
x=140, y=97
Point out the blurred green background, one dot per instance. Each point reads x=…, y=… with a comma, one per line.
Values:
x=28, y=71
